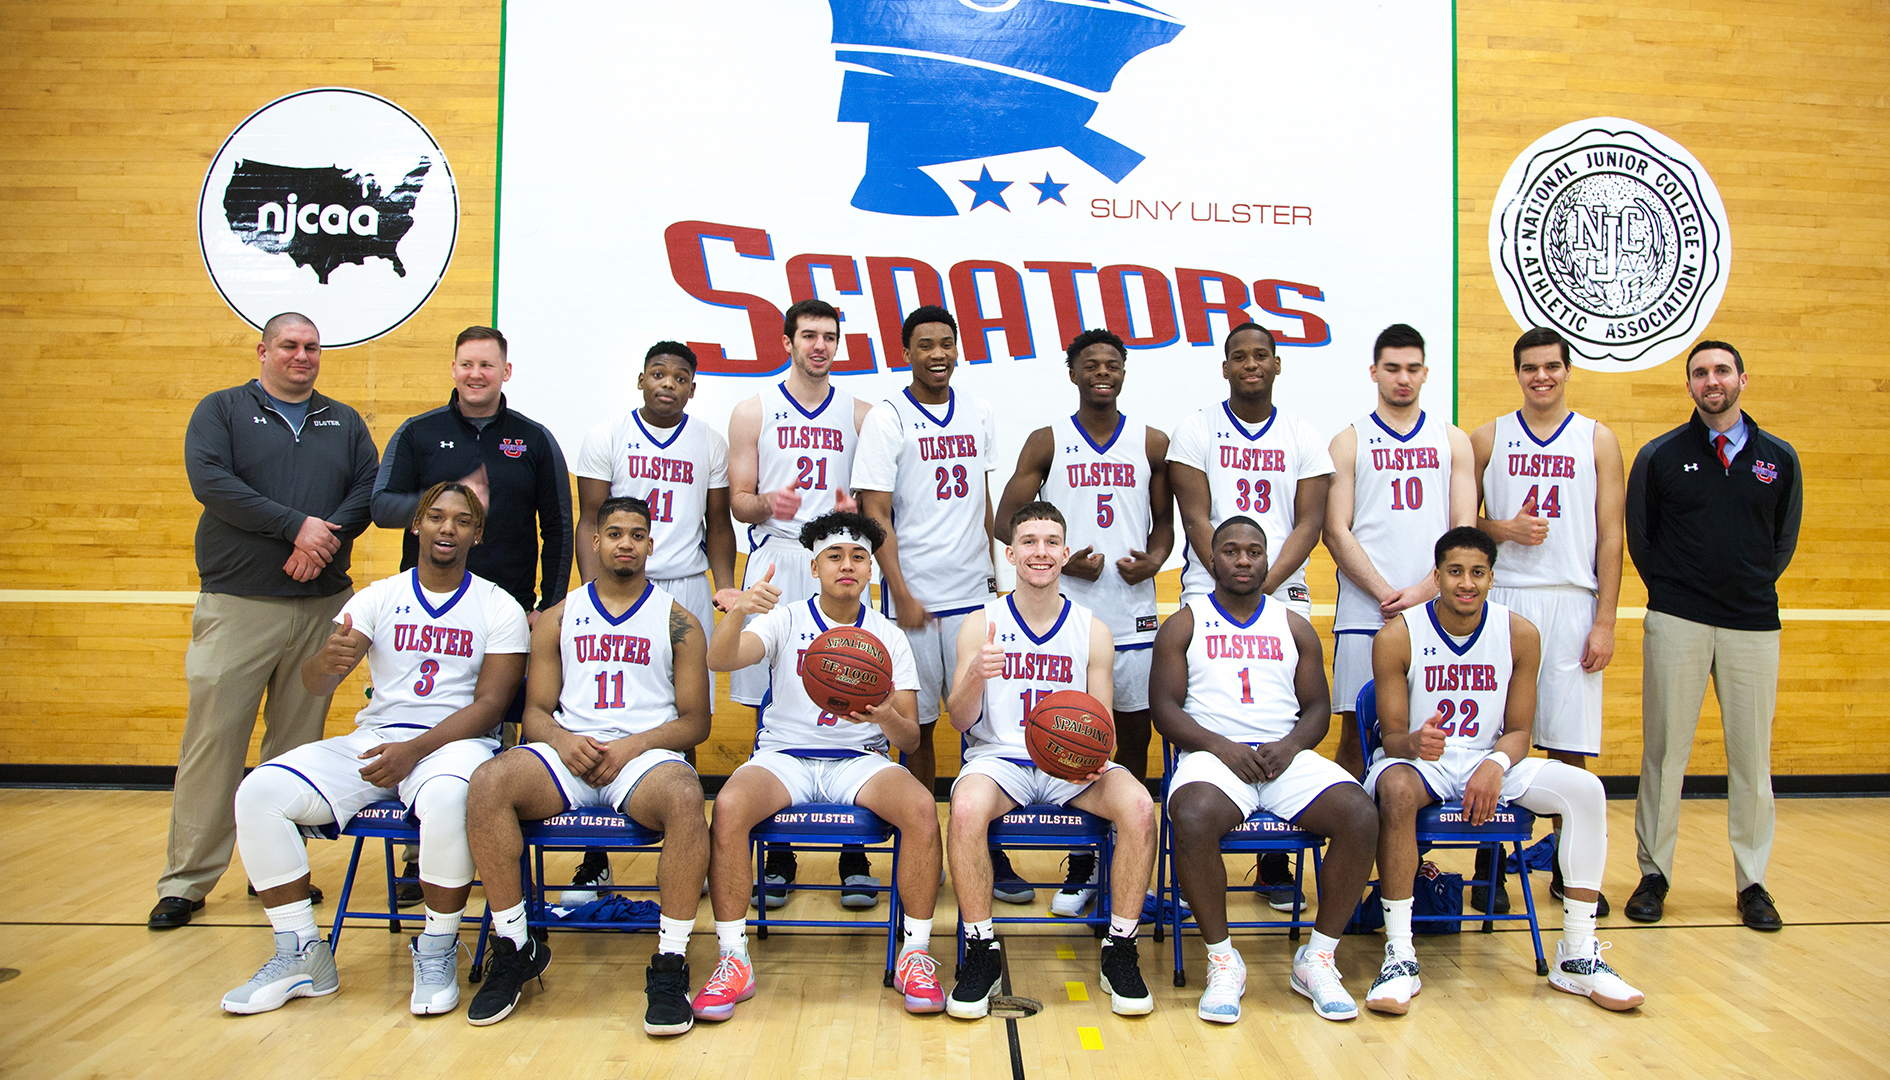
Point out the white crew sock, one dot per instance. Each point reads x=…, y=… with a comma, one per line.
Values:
x=731, y=937
x=510, y=925
x=299, y=918
x=1223, y=947
x=1320, y=943
x=1578, y=924
x=672, y=935
x=443, y=922
x=918, y=935
x=1398, y=927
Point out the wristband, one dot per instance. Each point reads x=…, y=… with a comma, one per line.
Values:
x=1499, y=757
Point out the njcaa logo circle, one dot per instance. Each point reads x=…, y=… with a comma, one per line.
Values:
x=1613, y=234
x=333, y=202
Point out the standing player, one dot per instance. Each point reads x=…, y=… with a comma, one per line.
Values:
x=924, y=461
x=680, y=467
x=1555, y=500
x=1247, y=456
x=1011, y=655
x=619, y=688
x=1476, y=691
x=805, y=754
x=790, y=460
x=1239, y=686
x=446, y=651
x=1109, y=478
x=1398, y=473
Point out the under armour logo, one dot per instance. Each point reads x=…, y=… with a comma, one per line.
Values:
x=1007, y=637
x=1514, y=443
x=1070, y=449
x=257, y=420
x=582, y=620
x=1430, y=650
x=404, y=609
x=444, y=445
x=1691, y=467
x=1222, y=435
x=780, y=416
x=1374, y=441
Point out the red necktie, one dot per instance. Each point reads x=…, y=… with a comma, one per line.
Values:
x=1719, y=444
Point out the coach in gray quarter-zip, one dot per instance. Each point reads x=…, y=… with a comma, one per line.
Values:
x=284, y=475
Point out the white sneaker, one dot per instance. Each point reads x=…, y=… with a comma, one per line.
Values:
x=1396, y=985
x=1074, y=897
x=293, y=972
x=1226, y=982
x=435, y=974
x=1584, y=973
x=585, y=883
x=1317, y=977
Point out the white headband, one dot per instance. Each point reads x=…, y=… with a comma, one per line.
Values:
x=844, y=536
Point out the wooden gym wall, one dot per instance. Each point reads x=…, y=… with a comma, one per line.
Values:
x=110, y=330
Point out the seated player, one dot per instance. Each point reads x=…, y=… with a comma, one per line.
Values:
x=445, y=651
x=804, y=755
x=1477, y=694
x=618, y=690
x=1239, y=687
x=1012, y=653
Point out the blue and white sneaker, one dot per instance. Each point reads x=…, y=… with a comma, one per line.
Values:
x=1317, y=977
x=294, y=971
x=1226, y=983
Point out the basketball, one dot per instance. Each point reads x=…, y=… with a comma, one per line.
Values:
x=1069, y=735
x=846, y=670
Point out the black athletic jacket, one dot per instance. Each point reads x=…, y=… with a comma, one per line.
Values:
x=531, y=495
x=1710, y=541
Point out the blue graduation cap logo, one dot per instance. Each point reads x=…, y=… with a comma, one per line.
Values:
x=956, y=80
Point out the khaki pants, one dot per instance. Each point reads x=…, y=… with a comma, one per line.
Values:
x=240, y=647
x=1677, y=657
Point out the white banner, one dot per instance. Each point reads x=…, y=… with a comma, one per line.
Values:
x=687, y=171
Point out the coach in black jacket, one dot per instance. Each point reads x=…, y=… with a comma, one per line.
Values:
x=510, y=459
x=1712, y=521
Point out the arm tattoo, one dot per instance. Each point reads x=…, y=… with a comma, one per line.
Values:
x=678, y=625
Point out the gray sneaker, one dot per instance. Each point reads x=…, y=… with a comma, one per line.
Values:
x=435, y=974
x=292, y=972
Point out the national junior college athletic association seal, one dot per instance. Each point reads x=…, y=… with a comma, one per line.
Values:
x=1613, y=234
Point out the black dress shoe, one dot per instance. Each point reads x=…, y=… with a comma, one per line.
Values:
x=1649, y=899
x=172, y=912
x=314, y=894
x=1755, y=907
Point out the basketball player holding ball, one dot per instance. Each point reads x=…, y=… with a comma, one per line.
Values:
x=1013, y=652
x=804, y=754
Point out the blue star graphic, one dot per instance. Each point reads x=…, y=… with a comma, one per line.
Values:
x=986, y=190
x=1048, y=190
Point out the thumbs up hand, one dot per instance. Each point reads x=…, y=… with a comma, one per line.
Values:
x=760, y=599
x=1526, y=527
x=991, y=657
x=1430, y=738
x=343, y=649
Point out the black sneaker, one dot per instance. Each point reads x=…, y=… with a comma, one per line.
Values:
x=1480, y=894
x=1122, y=978
x=1005, y=884
x=666, y=984
x=587, y=882
x=1079, y=886
x=506, y=975
x=1275, y=877
x=861, y=888
x=1555, y=890
x=409, y=893
x=977, y=980
x=778, y=871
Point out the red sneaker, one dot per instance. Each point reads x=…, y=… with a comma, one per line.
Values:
x=917, y=978
x=733, y=981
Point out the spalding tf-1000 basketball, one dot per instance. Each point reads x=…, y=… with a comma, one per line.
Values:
x=847, y=670
x=1069, y=735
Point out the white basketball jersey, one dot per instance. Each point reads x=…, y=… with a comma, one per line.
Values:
x=1240, y=676
x=1034, y=668
x=1103, y=493
x=1253, y=472
x=1467, y=681
x=934, y=462
x=426, y=647
x=1560, y=472
x=673, y=469
x=788, y=720
x=619, y=674
x=810, y=450
x=1400, y=506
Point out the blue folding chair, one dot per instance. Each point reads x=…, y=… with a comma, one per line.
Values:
x=828, y=827
x=1048, y=827
x=1445, y=825
x=392, y=823
x=1261, y=832
x=580, y=829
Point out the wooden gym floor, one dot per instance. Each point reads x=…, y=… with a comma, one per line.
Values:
x=99, y=995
